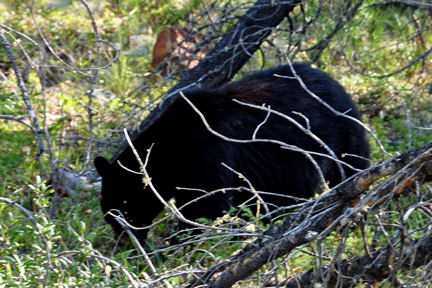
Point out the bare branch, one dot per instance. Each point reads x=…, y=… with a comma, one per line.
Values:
x=24, y=94
x=302, y=226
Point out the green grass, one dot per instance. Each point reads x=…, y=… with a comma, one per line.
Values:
x=79, y=224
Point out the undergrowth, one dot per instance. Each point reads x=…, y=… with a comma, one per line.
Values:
x=78, y=239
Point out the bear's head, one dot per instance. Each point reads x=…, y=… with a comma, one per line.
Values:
x=119, y=199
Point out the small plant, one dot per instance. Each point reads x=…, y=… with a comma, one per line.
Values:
x=36, y=251
x=27, y=241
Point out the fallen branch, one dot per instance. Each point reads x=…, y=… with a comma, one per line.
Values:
x=376, y=268
x=320, y=216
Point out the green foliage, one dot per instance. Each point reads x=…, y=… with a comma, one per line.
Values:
x=161, y=13
x=23, y=255
x=120, y=77
x=79, y=225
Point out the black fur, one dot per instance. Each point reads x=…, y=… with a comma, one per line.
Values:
x=186, y=154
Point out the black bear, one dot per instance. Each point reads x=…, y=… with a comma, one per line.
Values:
x=186, y=154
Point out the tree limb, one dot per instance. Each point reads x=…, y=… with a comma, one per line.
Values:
x=238, y=45
x=24, y=93
x=376, y=268
x=233, y=51
x=307, y=225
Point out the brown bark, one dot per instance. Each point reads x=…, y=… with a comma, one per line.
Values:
x=237, y=46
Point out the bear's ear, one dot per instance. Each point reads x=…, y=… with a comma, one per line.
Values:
x=102, y=166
